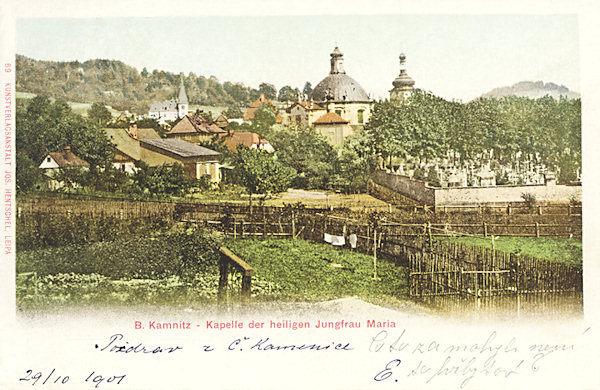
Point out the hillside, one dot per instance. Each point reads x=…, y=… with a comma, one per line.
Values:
x=533, y=89
x=121, y=86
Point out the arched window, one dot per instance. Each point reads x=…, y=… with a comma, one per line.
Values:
x=360, y=116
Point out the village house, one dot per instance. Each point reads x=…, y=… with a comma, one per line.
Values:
x=197, y=161
x=221, y=122
x=304, y=113
x=127, y=145
x=55, y=161
x=262, y=100
x=195, y=128
x=145, y=145
x=246, y=138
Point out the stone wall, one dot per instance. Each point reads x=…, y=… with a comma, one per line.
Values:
x=422, y=193
x=414, y=189
x=506, y=194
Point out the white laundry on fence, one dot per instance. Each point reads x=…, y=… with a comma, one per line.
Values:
x=327, y=237
x=353, y=239
x=338, y=240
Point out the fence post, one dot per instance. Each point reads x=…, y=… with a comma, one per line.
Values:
x=374, y=253
x=485, y=233
x=246, y=286
x=293, y=225
x=508, y=209
x=569, y=210
x=537, y=229
x=540, y=210
x=223, y=273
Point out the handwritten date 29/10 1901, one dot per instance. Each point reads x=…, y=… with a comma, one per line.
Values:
x=93, y=379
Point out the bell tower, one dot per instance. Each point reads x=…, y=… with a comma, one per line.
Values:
x=403, y=84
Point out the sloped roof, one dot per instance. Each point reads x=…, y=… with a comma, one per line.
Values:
x=179, y=147
x=245, y=138
x=262, y=100
x=331, y=118
x=195, y=123
x=311, y=106
x=66, y=158
x=221, y=121
x=168, y=105
x=128, y=145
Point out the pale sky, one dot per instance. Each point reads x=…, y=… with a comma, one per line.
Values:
x=454, y=56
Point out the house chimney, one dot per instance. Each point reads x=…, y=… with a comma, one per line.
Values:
x=133, y=130
x=67, y=149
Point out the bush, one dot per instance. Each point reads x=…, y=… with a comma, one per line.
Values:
x=529, y=199
x=182, y=253
x=42, y=231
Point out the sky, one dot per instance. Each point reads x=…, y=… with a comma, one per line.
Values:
x=454, y=56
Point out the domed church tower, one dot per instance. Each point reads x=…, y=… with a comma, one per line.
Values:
x=341, y=94
x=403, y=84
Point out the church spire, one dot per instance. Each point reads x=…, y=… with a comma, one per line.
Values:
x=182, y=99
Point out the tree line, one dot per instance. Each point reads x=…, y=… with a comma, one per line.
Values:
x=508, y=131
x=123, y=87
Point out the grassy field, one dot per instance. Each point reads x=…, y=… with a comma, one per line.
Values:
x=563, y=250
x=78, y=108
x=318, y=199
x=306, y=271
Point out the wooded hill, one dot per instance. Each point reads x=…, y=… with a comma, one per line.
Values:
x=122, y=86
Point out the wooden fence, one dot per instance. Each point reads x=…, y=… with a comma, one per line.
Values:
x=229, y=261
x=451, y=275
x=443, y=272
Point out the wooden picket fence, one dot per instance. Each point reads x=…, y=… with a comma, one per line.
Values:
x=452, y=275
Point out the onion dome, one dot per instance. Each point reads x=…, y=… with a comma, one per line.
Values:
x=403, y=80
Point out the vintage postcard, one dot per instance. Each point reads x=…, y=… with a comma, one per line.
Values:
x=278, y=195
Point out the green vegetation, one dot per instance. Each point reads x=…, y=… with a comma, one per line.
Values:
x=516, y=129
x=260, y=173
x=308, y=271
x=123, y=87
x=563, y=250
x=175, y=253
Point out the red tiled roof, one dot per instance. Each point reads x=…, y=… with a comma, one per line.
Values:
x=331, y=118
x=245, y=138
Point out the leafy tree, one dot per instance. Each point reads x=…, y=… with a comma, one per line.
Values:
x=166, y=179
x=287, y=93
x=307, y=90
x=268, y=90
x=263, y=121
x=313, y=158
x=233, y=112
x=45, y=126
x=98, y=113
x=261, y=173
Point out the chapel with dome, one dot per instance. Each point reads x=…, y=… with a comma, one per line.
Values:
x=341, y=94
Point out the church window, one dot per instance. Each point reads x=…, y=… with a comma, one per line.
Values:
x=360, y=116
